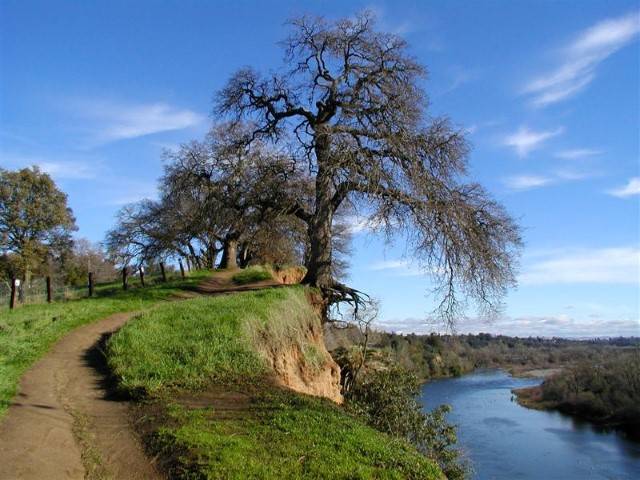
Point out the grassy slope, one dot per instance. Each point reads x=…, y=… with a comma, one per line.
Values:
x=289, y=436
x=188, y=347
x=28, y=332
x=256, y=273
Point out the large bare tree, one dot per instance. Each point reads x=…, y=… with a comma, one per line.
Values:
x=350, y=98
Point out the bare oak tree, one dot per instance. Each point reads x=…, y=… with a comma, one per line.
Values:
x=242, y=192
x=349, y=97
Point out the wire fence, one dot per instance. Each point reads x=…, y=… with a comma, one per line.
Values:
x=36, y=290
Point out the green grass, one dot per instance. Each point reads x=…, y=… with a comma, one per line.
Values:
x=294, y=437
x=209, y=344
x=28, y=332
x=187, y=345
x=209, y=339
x=252, y=274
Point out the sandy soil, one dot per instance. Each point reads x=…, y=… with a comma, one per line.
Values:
x=65, y=423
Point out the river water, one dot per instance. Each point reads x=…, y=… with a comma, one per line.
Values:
x=503, y=440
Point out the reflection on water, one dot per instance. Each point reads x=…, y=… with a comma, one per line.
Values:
x=506, y=441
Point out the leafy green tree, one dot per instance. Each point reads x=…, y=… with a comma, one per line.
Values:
x=35, y=221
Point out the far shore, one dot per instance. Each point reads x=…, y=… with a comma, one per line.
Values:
x=535, y=373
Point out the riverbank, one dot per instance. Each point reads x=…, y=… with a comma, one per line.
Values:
x=523, y=372
x=533, y=398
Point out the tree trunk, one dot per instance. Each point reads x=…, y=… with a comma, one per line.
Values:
x=230, y=253
x=26, y=283
x=244, y=255
x=91, y=284
x=319, y=258
x=194, y=257
x=163, y=272
x=49, y=295
x=212, y=253
x=12, y=300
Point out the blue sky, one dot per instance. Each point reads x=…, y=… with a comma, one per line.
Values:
x=548, y=91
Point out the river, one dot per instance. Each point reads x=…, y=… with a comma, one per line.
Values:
x=503, y=440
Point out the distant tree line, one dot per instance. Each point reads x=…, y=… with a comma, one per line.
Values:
x=435, y=356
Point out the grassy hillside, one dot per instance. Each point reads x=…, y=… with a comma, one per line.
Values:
x=212, y=410
x=28, y=332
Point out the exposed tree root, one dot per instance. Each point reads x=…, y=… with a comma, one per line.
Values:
x=339, y=294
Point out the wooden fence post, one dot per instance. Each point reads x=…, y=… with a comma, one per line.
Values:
x=124, y=278
x=12, y=300
x=49, y=296
x=91, y=284
x=181, y=268
x=142, y=275
x=164, y=274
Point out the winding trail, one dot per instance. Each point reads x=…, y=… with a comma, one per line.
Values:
x=65, y=423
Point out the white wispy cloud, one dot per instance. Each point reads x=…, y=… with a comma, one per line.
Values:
x=459, y=76
x=526, y=140
x=399, y=268
x=617, y=265
x=556, y=325
x=563, y=325
x=476, y=127
x=132, y=191
x=358, y=224
x=572, y=174
x=530, y=181
x=76, y=169
x=631, y=189
x=69, y=170
x=527, y=182
x=393, y=25
x=108, y=121
x=580, y=59
x=390, y=265
x=577, y=153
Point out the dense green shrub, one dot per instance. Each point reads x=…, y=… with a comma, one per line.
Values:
x=386, y=400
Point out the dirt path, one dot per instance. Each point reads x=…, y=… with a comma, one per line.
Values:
x=222, y=282
x=64, y=423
